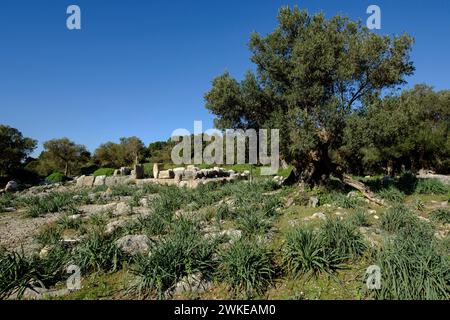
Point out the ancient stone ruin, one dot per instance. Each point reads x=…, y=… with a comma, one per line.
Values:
x=190, y=177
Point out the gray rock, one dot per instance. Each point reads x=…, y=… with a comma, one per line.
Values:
x=319, y=215
x=134, y=244
x=189, y=174
x=11, y=186
x=80, y=181
x=313, y=202
x=99, y=181
x=122, y=209
x=192, y=283
x=116, y=173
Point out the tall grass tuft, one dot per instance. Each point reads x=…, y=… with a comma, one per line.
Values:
x=53, y=202
x=431, y=186
x=441, y=215
x=247, y=268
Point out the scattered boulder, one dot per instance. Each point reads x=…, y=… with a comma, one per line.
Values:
x=80, y=181
x=11, y=186
x=88, y=181
x=134, y=244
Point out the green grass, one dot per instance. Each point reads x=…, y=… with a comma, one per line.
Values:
x=7, y=200
x=247, y=268
x=53, y=202
x=431, y=186
x=104, y=172
x=441, y=215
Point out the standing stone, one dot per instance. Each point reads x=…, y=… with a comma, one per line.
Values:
x=139, y=171
x=11, y=186
x=157, y=167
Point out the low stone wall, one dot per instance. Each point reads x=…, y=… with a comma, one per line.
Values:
x=190, y=177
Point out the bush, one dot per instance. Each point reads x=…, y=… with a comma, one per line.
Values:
x=56, y=177
x=407, y=182
x=304, y=252
x=430, y=186
x=247, y=268
x=104, y=172
x=7, y=200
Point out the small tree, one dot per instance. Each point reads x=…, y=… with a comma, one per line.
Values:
x=14, y=149
x=64, y=154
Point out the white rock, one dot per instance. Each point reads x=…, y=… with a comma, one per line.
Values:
x=134, y=244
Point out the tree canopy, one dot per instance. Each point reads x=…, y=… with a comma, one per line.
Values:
x=311, y=74
x=15, y=148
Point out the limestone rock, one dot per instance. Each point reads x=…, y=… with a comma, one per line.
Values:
x=134, y=244
x=80, y=181
x=122, y=209
x=11, y=186
x=313, y=202
x=124, y=171
x=157, y=167
x=99, y=181
x=166, y=174
x=88, y=181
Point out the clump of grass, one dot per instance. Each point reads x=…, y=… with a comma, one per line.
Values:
x=391, y=194
x=304, y=252
x=343, y=238
x=341, y=200
x=412, y=269
x=271, y=204
x=7, y=200
x=360, y=218
x=247, y=268
x=430, y=186
x=19, y=272
x=182, y=252
x=98, y=253
x=224, y=212
x=441, y=215
x=252, y=223
x=397, y=218
x=53, y=202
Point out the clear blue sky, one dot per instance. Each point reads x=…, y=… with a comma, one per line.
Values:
x=142, y=67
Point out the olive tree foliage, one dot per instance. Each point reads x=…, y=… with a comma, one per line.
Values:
x=407, y=131
x=63, y=155
x=126, y=153
x=311, y=74
x=14, y=149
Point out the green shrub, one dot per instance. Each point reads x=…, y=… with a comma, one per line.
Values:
x=441, y=215
x=104, y=172
x=56, y=177
x=407, y=182
x=247, y=268
x=430, y=186
x=304, y=252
